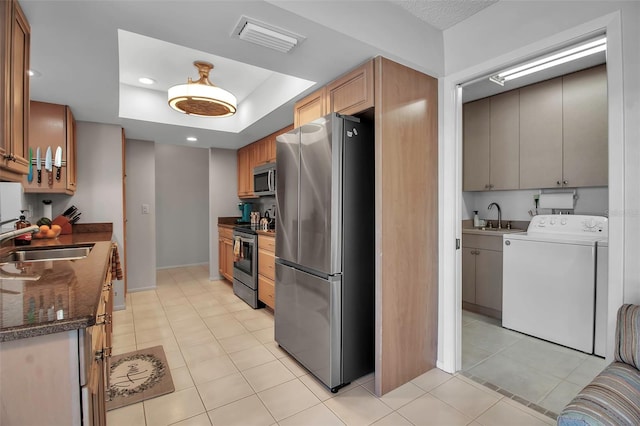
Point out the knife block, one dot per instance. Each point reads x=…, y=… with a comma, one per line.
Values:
x=64, y=224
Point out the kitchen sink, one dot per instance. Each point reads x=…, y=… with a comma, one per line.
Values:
x=41, y=254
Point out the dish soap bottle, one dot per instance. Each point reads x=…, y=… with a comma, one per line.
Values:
x=476, y=219
x=24, y=239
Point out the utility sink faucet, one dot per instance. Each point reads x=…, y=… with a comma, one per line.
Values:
x=499, y=213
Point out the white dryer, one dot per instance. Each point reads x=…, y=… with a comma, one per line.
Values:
x=549, y=279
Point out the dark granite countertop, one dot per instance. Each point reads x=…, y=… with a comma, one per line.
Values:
x=38, y=298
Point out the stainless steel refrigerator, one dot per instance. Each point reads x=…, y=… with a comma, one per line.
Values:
x=324, y=310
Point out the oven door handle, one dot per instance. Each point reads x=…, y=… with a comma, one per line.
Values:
x=247, y=240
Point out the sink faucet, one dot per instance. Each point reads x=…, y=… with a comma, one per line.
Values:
x=499, y=214
x=4, y=222
x=12, y=234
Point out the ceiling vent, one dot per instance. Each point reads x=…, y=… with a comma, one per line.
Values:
x=266, y=35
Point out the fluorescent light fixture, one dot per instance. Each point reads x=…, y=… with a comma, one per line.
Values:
x=34, y=73
x=571, y=54
x=146, y=80
x=266, y=35
x=192, y=139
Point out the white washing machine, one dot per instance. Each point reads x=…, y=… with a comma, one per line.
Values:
x=549, y=279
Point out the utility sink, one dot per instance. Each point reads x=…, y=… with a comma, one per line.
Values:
x=492, y=230
x=42, y=254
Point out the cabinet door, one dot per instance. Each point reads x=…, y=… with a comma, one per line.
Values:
x=267, y=291
x=489, y=279
x=266, y=263
x=476, y=145
x=259, y=152
x=505, y=141
x=585, y=130
x=353, y=92
x=468, y=275
x=309, y=108
x=47, y=128
x=19, y=88
x=228, y=258
x=221, y=257
x=243, y=175
x=541, y=135
x=70, y=155
x=5, y=79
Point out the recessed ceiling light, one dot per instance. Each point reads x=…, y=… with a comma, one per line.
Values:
x=34, y=73
x=192, y=139
x=146, y=80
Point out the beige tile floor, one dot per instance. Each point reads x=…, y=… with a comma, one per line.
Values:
x=539, y=372
x=227, y=370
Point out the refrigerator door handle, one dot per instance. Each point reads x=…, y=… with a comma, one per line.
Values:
x=272, y=176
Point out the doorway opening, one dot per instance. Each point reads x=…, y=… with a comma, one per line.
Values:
x=531, y=369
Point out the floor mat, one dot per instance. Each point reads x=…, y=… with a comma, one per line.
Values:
x=137, y=376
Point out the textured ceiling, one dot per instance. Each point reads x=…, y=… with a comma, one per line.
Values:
x=443, y=14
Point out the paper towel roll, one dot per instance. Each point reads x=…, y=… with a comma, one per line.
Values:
x=562, y=200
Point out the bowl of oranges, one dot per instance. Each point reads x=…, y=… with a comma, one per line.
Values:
x=48, y=231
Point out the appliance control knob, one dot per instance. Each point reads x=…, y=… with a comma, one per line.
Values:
x=542, y=221
x=552, y=221
x=563, y=221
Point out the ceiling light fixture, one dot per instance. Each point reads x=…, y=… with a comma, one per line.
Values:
x=192, y=139
x=146, y=80
x=571, y=54
x=202, y=98
x=266, y=35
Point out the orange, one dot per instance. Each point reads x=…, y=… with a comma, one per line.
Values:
x=51, y=233
x=44, y=228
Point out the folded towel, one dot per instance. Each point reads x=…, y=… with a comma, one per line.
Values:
x=116, y=269
x=236, y=248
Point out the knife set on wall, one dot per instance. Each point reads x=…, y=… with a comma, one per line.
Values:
x=49, y=163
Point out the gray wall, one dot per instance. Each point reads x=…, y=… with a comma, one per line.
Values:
x=141, y=227
x=223, y=198
x=182, y=205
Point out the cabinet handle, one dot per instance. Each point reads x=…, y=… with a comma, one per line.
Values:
x=9, y=157
x=486, y=186
x=99, y=355
x=564, y=182
x=558, y=183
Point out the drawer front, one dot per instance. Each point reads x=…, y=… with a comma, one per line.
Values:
x=489, y=242
x=225, y=232
x=267, y=291
x=266, y=242
x=266, y=264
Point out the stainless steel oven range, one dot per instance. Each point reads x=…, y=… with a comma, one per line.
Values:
x=245, y=265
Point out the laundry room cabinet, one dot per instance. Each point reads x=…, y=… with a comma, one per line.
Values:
x=482, y=274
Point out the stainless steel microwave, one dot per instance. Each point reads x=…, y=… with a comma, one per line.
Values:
x=264, y=179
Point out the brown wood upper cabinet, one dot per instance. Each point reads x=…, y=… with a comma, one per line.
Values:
x=349, y=94
x=15, y=39
x=52, y=125
x=353, y=92
x=260, y=152
x=309, y=108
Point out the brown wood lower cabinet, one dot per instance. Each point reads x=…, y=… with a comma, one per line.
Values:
x=225, y=252
x=267, y=270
